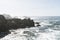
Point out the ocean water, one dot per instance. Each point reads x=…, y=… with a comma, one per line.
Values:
x=49, y=30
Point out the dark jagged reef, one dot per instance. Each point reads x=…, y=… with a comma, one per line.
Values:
x=14, y=23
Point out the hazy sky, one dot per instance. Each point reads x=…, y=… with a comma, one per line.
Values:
x=30, y=7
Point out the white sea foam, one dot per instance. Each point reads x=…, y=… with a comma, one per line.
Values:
x=32, y=34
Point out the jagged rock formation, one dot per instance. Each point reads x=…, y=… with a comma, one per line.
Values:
x=14, y=23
